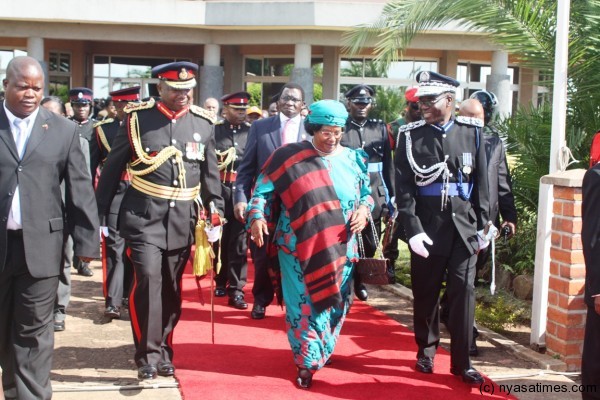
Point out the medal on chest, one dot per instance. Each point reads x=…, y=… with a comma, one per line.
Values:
x=467, y=162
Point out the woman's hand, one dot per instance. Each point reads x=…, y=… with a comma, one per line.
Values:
x=257, y=230
x=359, y=219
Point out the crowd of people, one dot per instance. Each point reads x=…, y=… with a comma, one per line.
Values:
x=297, y=187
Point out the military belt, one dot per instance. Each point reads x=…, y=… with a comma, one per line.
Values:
x=164, y=192
x=228, y=176
x=435, y=189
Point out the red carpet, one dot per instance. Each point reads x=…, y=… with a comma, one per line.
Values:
x=374, y=358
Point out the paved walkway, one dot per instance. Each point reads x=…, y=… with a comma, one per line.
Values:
x=94, y=357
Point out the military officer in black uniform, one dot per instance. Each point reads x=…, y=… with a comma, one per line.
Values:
x=170, y=148
x=442, y=200
x=231, y=135
x=116, y=265
x=370, y=135
x=81, y=99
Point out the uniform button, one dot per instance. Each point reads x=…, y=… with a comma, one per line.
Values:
x=424, y=166
x=235, y=143
x=172, y=204
x=173, y=120
x=444, y=135
x=20, y=168
x=173, y=141
x=450, y=174
x=454, y=214
x=10, y=193
x=175, y=183
x=174, y=160
x=147, y=149
x=233, y=187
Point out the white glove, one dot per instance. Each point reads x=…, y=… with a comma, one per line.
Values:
x=213, y=234
x=484, y=239
x=417, y=246
x=104, y=231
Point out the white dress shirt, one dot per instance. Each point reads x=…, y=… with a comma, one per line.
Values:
x=14, y=216
x=290, y=135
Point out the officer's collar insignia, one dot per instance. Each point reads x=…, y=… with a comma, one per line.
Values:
x=411, y=125
x=183, y=74
x=139, y=106
x=470, y=121
x=201, y=112
x=105, y=121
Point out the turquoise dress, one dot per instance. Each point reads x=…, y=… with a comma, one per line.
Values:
x=313, y=335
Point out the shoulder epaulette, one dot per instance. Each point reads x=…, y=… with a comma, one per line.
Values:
x=144, y=105
x=104, y=121
x=201, y=112
x=470, y=121
x=411, y=125
x=221, y=122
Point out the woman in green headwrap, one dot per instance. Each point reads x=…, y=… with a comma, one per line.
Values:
x=313, y=197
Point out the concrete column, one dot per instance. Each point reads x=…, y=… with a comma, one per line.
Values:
x=233, y=64
x=302, y=73
x=331, y=66
x=499, y=82
x=211, y=74
x=565, y=325
x=449, y=63
x=35, y=49
x=527, y=88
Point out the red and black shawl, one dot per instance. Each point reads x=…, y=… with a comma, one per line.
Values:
x=303, y=185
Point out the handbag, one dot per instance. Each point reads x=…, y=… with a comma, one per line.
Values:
x=374, y=271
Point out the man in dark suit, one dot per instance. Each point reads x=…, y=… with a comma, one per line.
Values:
x=116, y=265
x=170, y=148
x=39, y=150
x=442, y=201
x=590, y=238
x=264, y=137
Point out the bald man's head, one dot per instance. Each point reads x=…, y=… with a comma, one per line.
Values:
x=471, y=108
x=24, y=86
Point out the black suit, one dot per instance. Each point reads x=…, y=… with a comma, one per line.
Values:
x=116, y=265
x=590, y=237
x=452, y=229
x=160, y=231
x=502, y=201
x=31, y=259
x=234, y=267
x=264, y=137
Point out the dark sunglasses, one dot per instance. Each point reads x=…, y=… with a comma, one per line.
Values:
x=429, y=103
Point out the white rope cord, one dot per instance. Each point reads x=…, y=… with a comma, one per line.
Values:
x=565, y=157
x=425, y=175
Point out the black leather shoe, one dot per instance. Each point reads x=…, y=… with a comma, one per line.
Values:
x=238, y=302
x=59, y=326
x=220, y=292
x=165, y=369
x=258, y=311
x=304, y=379
x=147, y=372
x=112, y=312
x=425, y=365
x=469, y=376
x=85, y=270
x=361, y=292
